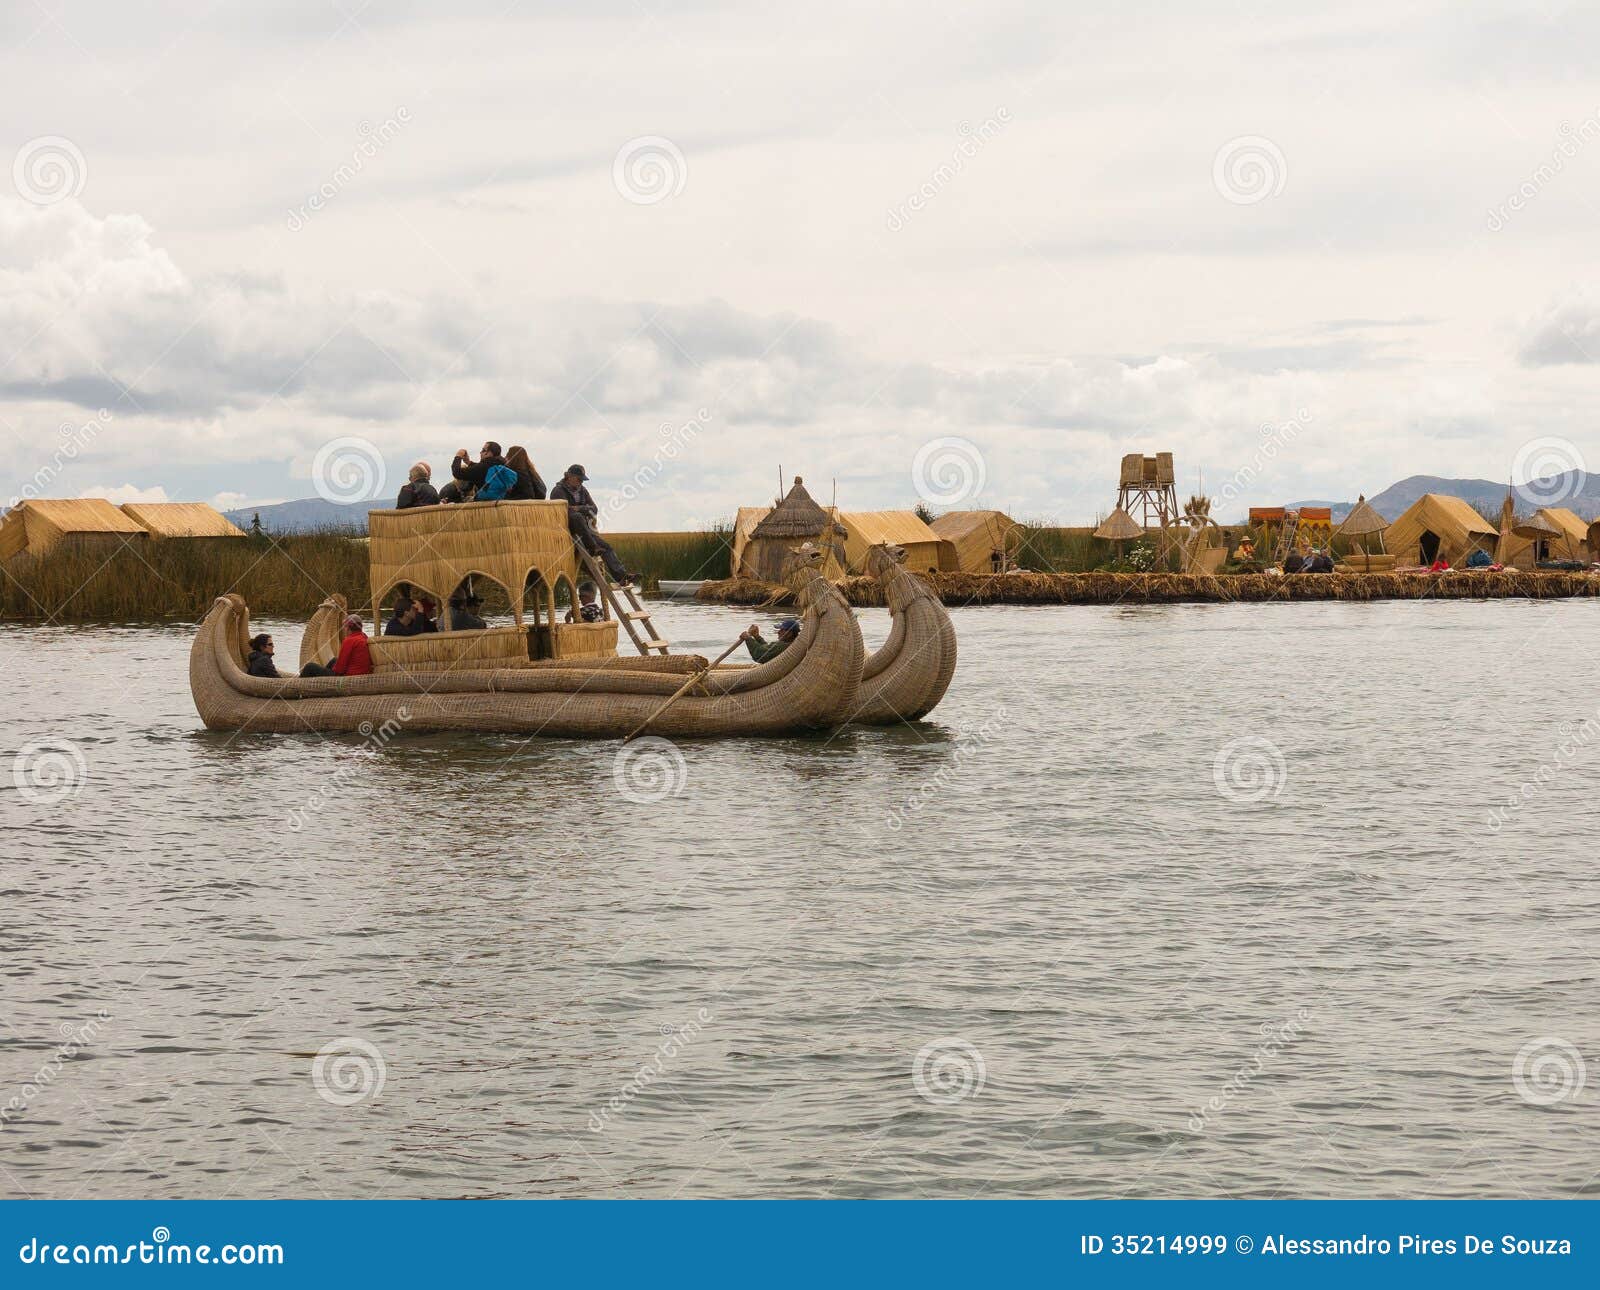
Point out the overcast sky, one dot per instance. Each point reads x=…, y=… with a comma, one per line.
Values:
x=1308, y=249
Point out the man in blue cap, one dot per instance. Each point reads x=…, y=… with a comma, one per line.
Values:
x=764, y=651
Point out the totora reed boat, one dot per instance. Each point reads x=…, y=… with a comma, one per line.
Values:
x=908, y=675
x=538, y=677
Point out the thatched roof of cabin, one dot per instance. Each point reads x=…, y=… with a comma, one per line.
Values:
x=1537, y=526
x=1362, y=520
x=1119, y=526
x=180, y=520
x=796, y=516
x=901, y=528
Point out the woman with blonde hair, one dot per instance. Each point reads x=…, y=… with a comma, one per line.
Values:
x=417, y=490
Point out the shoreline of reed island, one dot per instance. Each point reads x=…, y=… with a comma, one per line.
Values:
x=956, y=589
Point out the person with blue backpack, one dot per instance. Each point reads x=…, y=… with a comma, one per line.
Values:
x=489, y=475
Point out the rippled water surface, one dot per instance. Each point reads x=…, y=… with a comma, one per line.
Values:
x=1201, y=900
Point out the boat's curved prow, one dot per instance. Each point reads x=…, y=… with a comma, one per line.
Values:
x=320, y=642
x=905, y=678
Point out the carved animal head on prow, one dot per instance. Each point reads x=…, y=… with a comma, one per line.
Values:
x=802, y=562
x=883, y=556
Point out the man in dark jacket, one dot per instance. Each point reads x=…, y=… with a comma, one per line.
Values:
x=418, y=489
x=464, y=613
x=763, y=651
x=472, y=473
x=407, y=620
x=581, y=515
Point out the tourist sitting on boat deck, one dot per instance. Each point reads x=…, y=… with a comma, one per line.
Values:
x=428, y=614
x=1294, y=562
x=764, y=651
x=354, y=658
x=456, y=491
x=473, y=473
x=587, y=610
x=1320, y=561
x=261, y=657
x=581, y=515
x=529, y=486
x=417, y=490
x=463, y=615
x=406, y=620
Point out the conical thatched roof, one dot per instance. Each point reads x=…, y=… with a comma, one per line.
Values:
x=796, y=516
x=1119, y=526
x=1536, y=527
x=1362, y=520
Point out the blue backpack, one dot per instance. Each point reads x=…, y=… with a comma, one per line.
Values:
x=496, y=484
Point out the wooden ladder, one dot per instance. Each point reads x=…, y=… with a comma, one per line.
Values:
x=633, y=616
x=1287, y=537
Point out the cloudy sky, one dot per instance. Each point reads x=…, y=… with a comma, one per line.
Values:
x=977, y=251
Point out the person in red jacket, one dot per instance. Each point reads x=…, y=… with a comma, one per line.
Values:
x=355, y=658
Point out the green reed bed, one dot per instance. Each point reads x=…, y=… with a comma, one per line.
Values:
x=179, y=578
x=685, y=556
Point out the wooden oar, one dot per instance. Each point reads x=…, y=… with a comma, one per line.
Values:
x=685, y=688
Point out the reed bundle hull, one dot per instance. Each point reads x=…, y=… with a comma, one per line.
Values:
x=814, y=685
x=906, y=678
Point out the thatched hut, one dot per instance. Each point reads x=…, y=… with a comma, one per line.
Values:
x=35, y=527
x=1361, y=526
x=1439, y=525
x=181, y=520
x=865, y=529
x=1119, y=527
x=1551, y=533
x=976, y=541
x=762, y=544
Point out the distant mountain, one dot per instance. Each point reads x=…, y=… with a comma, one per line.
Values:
x=305, y=515
x=1577, y=492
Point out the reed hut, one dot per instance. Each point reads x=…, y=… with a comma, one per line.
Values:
x=1551, y=533
x=865, y=529
x=763, y=539
x=976, y=541
x=1362, y=525
x=181, y=520
x=1439, y=525
x=1119, y=527
x=36, y=527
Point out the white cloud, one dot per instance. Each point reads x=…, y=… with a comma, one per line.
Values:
x=127, y=493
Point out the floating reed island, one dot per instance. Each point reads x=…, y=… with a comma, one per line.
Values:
x=1184, y=588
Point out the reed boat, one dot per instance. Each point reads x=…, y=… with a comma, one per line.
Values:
x=905, y=678
x=537, y=677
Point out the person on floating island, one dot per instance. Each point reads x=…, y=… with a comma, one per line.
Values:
x=764, y=651
x=1441, y=565
x=1247, y=550
x=1320, y=561
x=1294, y=562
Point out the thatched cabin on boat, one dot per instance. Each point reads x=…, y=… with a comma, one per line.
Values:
x=1439, y=525
x=181, y=520
x=976, y=541
x=866, y=529
x=37, y=527
x=763, y=536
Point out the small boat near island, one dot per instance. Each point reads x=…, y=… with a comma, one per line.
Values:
x=544, y=677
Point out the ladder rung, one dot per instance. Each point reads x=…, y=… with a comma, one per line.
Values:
x=637, y=613
x=655, y=644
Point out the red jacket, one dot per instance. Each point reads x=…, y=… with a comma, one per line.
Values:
x=355, y=659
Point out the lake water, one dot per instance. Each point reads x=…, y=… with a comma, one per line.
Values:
x=1192, y=901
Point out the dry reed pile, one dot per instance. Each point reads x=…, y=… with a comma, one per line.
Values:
x=1176, y=588
x=280, y=577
